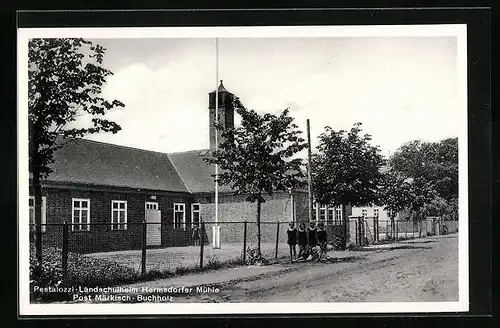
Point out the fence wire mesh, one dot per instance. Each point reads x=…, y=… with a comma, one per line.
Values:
x=370, y=230
x=94, y=252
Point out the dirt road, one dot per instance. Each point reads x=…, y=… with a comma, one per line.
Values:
x=416, y=270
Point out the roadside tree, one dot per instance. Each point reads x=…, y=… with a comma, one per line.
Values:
x=65, y=79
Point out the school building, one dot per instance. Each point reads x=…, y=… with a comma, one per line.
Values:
x=106, y=191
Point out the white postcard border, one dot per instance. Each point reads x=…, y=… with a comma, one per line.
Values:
x=26, y=308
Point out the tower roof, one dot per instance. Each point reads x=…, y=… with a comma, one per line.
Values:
x=221, y=88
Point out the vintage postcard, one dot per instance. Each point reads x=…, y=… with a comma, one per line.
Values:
x=196, y=170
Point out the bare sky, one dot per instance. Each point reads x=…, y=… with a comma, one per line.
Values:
x=400, y=88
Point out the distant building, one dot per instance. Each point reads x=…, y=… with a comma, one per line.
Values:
x=374, y=211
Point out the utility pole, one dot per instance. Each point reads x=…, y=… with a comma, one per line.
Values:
x=309, y=173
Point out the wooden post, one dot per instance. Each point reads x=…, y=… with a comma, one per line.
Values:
x=406, y=229
x=420, y=229
x=309, y=171
x=362, y=231
x=144, y=246
x=65, y=251
x=356, y=231
x=202, y=243
x=277, y=238
x=345, y=222
x=396, y=223
x=245, y=241
x=387, y=229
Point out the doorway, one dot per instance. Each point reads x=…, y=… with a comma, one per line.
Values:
x=153, y=224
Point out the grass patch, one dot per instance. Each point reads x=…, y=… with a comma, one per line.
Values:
x=82, y=271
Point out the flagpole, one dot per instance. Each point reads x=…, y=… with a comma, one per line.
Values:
x=309, y=172
x=216, y=231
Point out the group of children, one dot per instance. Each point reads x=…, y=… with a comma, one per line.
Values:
x=307, y=239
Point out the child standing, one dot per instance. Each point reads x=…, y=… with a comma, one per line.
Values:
x=196, y=236
x=322, y=237
x=292, y=240
x=312, y=234
x=302, y=238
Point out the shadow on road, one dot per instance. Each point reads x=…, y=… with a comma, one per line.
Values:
x=389, y=248
x=418, y=242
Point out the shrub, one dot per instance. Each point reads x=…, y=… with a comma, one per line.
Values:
x=351, y=246
x=254, y=258
x=338, y=243
x=82, y=270
x=185, y=270
x=213, y=263
x=156, y=274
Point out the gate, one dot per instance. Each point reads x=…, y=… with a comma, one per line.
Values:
x=153, y=227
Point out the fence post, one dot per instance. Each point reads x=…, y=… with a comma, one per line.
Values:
x=202, y=243
x=277, y=238
x=65, y=251
x=406, y=229
x=143, y=257
x=397, y=229
x=245, y=242
x=420, y=229
x=356, y=231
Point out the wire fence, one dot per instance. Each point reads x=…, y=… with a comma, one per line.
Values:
x=104, y=253
x=371, y=230
x=158, y=248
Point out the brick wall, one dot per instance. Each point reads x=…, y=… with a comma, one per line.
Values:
x=234, y=208
x=301, y=203
x=101, y=237
x=276, y=208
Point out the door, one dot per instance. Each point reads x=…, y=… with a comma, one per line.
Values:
x=153, y=227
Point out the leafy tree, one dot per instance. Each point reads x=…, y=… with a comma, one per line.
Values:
x=399, y=194
x=432, y=161
x=258, y=158
x=65, y=79
x=437, y=207
x=346, y=169
x=433, y=167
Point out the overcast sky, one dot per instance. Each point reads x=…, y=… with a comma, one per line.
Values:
x=400, y=88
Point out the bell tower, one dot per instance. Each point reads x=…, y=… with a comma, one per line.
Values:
x=225, y=112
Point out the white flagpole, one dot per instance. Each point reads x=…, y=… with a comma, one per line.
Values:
x=216, y=231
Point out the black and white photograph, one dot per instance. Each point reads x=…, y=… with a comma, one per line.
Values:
x=184, y=170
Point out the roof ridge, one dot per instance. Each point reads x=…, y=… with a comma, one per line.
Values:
x=188, y=151
x=121, y=146
x=179, y=174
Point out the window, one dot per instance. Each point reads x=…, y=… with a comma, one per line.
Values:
x=118, y=215
x=81, y=215
x=151, y=206
x=364, y=213
x=331, y=214
x=315, y=212
x=195, y=215
x=179, y=216
x=322, y=214
x=338, y=216
x=31, y=203
x=375, y=212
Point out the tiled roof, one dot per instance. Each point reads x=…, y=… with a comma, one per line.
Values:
x=221, y=88
x=195, y=172
x=96, y=163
